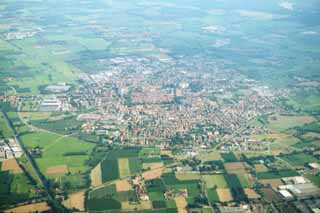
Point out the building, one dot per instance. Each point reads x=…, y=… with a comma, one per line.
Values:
x=50, y=105
x=300, y=191
x=286, y=194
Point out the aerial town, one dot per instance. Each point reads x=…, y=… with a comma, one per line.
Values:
x=162, y=106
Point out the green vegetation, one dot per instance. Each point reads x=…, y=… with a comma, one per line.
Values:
x=299, y=159
x=281, y=122
x=135, y=165
x=156, y=196
x=212, y=195
x=155, y=185
x=159, y=204
x=215, y=181
x=192, y=186
x=110, y=170
x=243, y=180
x=236, y=187
x=5, y=130
x=111, y=196
x=229, y=157
x=216, y=64
x=101, y=204
x=15, y=188
x=53, y=148
x=276, y=174
x=314, y=179
x=110, y=165
x=66, y=125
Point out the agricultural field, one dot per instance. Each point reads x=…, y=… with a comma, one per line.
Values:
x=272, y=182
x=95, y=176
x=172, y=183
x=188, y=176
x=305, y=102
x=60, y=154
x=282, y=122
x=244, y=180
x=229, y=157
x=213, y=195
x=124, y=168
x=152, y=174
x=163, y=98
x=270, y=195
x=224, y=195
x=15, y=186
x=251, y=194
x=59, y=124
x=276, y=174
x=76, y=201
x=38, y=207
x=314, y=179
x=215, y=181
x=120, y=163
x=205, y=156
x=260, y=167
x=235, y=168
x=5, y=131
x=282, y=142
x=113, y=195
x=299, y=159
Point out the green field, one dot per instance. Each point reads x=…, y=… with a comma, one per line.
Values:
x=299, y=159
x=154, y=196
x=124, y=168
x=192, y=186
x=314, y=179
x=5, y=130
x=229, y=157
x=212, y=195
x=109, y=170
x=149, y=152
x=18, y=125
x=66, y=125
x=305, y=101
x=54, y=147
x=276, y=174
x=109, y=194
x=210, y=156
x=105, y=191
x=155, y=185
x=243, y=180
x=215, y=181
x=15, y=188
x=281, y=123
x=112, y=166
x=102, y=204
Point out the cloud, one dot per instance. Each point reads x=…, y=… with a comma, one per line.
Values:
x=221, y=42
x=310, y=33
x=214, y=29
x=286, y=5
x=259, y=15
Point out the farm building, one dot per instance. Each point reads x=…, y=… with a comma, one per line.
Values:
x=58, y=88
x=302, y=191
x=227, y=209
x=314, y=166
x=286, y=194
x=295, y=180
x=89, y=117
x=50, y=105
